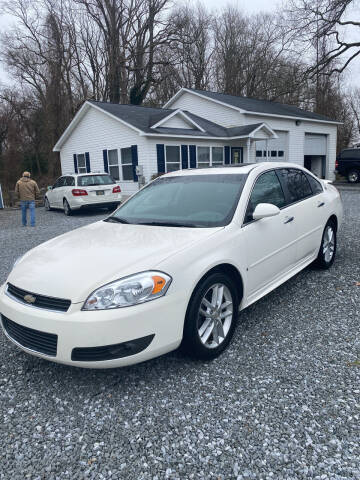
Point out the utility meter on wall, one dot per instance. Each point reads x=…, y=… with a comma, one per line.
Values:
x=139, y=169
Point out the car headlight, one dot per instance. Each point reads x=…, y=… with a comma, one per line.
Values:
x=132, y=290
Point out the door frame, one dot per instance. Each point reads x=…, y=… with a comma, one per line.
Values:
x=241, y=155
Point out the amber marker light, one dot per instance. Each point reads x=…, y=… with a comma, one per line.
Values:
x=159, y=284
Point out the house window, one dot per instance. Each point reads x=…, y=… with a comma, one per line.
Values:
x=203, y=157
x=114, y=164
x=172, y=156
x=217, y=156
x=280, y=153
x=273, y=153
x=126, y=164
x=259, y=153
x=81, y=163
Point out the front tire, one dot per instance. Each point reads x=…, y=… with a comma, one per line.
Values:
x=353, y=176
x=327, y=250
x=67, y=209
x=211, y=317
x=47, y=205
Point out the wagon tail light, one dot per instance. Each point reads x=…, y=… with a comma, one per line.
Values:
x=78, y=192
x=116, y=189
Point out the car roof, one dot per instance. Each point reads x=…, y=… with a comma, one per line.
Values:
x=83, y=174
x=242, y=168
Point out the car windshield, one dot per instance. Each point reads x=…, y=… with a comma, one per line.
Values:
x=184, y=201
x=91, y=180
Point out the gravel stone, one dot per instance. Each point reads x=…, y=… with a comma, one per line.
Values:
x=282, y=403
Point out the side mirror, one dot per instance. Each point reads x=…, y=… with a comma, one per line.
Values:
x=49, y=187
x=265, y=210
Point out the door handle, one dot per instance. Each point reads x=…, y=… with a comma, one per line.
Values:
x=321, y=204
x=289, y=219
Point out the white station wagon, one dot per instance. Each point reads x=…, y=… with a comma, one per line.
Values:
x=81, y=191
x=172, y=266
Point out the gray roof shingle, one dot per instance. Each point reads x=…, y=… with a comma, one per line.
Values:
x=143, y=118
x=262, y=106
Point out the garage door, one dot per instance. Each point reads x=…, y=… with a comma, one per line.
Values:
x=315, y=144
x=277, y=148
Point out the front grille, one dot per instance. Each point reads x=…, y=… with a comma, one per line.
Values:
x=35, y=340
x=41, y=301
x=111, y=352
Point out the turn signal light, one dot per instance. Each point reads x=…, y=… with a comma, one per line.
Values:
x=78, y=192
x=116, y=189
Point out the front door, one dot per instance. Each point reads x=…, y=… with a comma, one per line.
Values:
x=236, y=155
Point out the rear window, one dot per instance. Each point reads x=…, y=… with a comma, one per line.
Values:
x=315, y=185
x=93, y=180
x=297, y=184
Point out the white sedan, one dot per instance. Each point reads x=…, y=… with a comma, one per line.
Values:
x=81, y=191
x=173, y=265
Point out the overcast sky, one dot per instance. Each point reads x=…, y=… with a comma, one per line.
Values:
x=248, y=6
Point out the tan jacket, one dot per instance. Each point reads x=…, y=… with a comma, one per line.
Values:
x=27, y=189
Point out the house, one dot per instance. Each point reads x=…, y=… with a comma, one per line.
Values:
x=194, y=129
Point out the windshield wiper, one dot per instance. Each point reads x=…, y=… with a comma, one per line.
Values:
x=116, y=220
x=170, y=224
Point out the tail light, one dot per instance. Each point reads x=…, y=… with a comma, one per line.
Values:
x=78, y=192
x=336, y=163
x=116, y=189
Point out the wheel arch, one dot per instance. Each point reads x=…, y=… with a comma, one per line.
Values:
x=229, y=270
x=333, y=219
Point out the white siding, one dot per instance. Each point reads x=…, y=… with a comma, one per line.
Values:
x=221, y=114
x=95, y=133
x=177, y=122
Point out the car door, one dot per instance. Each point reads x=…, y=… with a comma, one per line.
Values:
x=53, y=194
x=270, y=242
x=306, y=205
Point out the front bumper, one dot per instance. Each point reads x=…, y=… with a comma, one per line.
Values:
x=161, y=319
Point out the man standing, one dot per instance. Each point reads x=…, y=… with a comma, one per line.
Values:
x=27, y=190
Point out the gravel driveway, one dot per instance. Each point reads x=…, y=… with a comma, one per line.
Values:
x=282, y=403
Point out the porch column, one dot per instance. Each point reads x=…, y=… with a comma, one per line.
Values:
x=248, y=150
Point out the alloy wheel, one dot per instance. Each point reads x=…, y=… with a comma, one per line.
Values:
x=353, y=177
x=215, y=315
x=328, y=244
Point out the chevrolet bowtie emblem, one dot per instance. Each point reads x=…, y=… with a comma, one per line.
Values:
x=30, y=299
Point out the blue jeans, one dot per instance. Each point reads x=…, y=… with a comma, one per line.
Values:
x=25, y=204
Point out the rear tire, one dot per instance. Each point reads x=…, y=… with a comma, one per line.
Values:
x=67, y=209
x=327, y=250
x=353, y=176
x=211, y=317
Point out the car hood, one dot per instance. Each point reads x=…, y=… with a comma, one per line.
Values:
x=73, y=265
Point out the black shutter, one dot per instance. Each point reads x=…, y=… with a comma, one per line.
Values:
x=192, y=149
x=106, y=162
x=184, y=156
x=75, y=164
x=227, y=155
x=134, y=160
x=160, y=151
x=87, y=161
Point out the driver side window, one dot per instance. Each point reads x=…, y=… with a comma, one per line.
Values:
x=267, y=189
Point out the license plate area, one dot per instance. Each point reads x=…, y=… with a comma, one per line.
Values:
x=100, y=192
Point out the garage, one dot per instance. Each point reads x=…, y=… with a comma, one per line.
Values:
x=315, y=151
x=273, y=150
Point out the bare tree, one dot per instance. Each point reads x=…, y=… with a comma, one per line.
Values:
x=330, y=20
